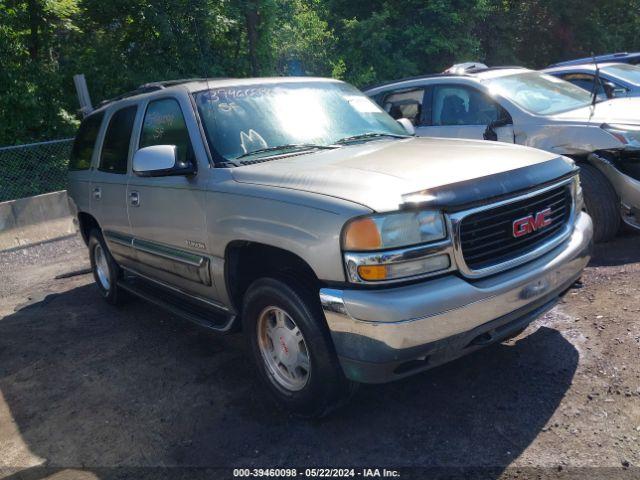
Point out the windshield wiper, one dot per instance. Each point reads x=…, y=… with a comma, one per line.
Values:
x=364, y=136
x=291, y=146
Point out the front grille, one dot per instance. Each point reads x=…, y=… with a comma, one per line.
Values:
x=487, y=237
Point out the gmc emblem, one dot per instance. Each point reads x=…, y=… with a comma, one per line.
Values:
x=531, y=223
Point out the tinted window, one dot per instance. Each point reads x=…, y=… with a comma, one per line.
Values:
x=457, y=105
x=164, y=125
x=407, y=104
x=115, y=148
x=84, y=143
x=584, y=81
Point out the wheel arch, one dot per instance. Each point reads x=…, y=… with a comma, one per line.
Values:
x=86, y=223
x=246, y=261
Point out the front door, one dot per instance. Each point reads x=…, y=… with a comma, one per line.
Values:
x=109, y=184
x=459, y=111
x=167, y=213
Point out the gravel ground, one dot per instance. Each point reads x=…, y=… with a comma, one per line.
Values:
x=112, y=391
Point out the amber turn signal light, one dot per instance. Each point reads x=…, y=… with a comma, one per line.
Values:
x=362, y=234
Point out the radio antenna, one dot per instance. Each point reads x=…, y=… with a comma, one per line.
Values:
x=596, y=81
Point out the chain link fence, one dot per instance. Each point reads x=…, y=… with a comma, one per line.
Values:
x=32, y=169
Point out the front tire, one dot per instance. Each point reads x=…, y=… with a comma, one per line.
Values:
x=292, y=348
x=106, y=271
x=601, y=203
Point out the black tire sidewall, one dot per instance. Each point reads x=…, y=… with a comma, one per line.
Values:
x=601, y=202
x=326, y=386
x=111, y=295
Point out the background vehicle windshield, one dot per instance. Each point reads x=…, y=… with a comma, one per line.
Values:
x=539, y=93
x=630, y=73
x=242, y=119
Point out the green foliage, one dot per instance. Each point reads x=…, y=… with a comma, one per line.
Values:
x=120, y=44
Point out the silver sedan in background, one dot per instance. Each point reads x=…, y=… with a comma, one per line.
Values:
x=517, y=105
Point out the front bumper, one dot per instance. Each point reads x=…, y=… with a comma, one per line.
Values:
x=383, y=335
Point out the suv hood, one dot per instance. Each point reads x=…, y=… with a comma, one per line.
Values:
x=383, y=174
x=619, y=110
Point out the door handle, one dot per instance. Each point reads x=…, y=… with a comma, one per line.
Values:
x=134, y=199
x=97, y=193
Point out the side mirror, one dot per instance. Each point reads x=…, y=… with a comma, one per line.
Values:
x=408, y=126
x=159, y=161
x=490, y=132
x=619, y=92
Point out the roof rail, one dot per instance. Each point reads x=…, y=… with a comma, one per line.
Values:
x=439, y=75
x=171, y=83
x=466, y=67
x=150, y=87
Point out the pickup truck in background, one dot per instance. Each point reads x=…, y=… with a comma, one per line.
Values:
x=298, y=211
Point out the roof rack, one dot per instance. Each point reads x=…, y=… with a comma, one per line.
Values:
x=150, y=87
x=172, y=83
x=466, y=67
x=405, y=79
x=467, y=73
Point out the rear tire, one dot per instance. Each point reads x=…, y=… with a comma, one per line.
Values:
x=292, y=317
x=601, y=203
x=106, y=271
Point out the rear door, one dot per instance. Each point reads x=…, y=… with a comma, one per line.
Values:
x=82, y=158
x=461, y=111
x=109, y=182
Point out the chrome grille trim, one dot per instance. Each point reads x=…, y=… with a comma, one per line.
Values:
x=455, y=220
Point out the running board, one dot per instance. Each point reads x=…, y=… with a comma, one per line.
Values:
x=179, y=304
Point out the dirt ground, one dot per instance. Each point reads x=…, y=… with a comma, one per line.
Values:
x=88, y=390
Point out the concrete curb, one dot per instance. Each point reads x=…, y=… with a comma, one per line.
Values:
x=31, y=220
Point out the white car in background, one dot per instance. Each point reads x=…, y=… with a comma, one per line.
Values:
x=615, y=80
x=517, y=105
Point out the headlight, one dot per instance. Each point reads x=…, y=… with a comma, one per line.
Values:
x=396, y=246
x=627, y=134
x=579, y=198
x=393, y=230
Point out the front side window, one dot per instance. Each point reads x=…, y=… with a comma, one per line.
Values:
x=84, y=142
x=253, y=118
x=164, y=125
x=539, y=93
x=115, y=148
x=406, y=104
x=459, y=105
x=586, y=82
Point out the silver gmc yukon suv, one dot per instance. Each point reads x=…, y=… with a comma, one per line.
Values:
x=298, y=211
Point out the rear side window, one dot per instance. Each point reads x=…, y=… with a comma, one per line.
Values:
x=85, y=141
x=406, y=104
x=115, y=148
x=164, y=125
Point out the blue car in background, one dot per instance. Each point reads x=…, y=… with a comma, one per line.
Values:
x=616, y=79
x=622, y=57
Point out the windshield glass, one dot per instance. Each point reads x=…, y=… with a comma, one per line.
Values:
x=630, y=73
x=243, y=119
x=539, y=93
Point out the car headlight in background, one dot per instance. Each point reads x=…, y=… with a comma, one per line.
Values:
x=629, y=135
x=394, y=246
x=578, y=195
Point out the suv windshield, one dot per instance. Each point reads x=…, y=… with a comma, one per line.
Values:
x=256, y=119
x=539, y=93
x=630, y=73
